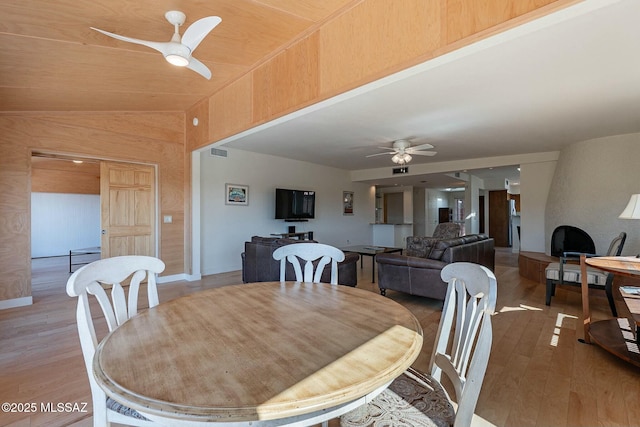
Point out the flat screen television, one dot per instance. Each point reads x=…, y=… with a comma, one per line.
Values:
x=295, y=204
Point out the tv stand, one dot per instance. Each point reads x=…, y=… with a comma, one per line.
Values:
x=302, y=235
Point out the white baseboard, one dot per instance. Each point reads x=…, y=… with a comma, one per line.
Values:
x=172, y=278
x=178, y=277
x=16, y=302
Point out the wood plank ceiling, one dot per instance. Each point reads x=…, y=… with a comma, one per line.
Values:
x=50, y=60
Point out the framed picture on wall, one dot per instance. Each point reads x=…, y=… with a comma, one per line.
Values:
x=236, y=194
x=347, y=203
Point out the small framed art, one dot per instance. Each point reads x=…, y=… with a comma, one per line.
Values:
x=236, y=194
x=347, y=203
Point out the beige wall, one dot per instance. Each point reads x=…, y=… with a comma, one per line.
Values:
x=591, y=186
x=154, y=138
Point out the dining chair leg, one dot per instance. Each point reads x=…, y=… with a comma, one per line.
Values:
x=612, y=304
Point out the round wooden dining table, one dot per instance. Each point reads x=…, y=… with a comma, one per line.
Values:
x=619, y=336
x=270, y=353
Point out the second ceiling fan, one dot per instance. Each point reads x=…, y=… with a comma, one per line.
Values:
x=401, y=150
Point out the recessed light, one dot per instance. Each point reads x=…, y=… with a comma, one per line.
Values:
x=77, y=162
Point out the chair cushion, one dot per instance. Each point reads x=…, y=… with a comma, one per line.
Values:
x=596, y=277
x=124, y=410
x=571, y=273
x=412, y=400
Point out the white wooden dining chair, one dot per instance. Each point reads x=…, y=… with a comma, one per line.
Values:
x=95, y=279
x=309, y=252
x=461, y=351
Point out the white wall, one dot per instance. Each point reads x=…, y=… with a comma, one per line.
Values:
x=224, y=228
x=435, y=200
x=535, y=185
x=591, y=186
x=395, y=208
x=419, y=211
x=472, y=205
x=61, y=222
x=399, y=204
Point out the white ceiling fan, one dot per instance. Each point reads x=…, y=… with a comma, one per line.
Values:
x=402, y=151
x=178, y=51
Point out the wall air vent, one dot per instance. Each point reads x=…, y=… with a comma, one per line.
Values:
x=216, y=152
x=404, y=169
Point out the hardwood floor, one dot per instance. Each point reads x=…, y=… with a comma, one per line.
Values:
x=538, y=374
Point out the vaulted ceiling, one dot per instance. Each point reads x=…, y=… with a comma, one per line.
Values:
x=50, y=59
x=566, y=77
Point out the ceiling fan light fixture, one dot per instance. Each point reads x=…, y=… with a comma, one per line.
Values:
x=177, y=54
x=401, y=158
x=177, y=60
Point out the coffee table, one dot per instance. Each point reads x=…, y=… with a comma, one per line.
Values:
x=372, y=251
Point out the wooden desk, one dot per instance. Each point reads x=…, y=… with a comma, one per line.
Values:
x=618, y=335
x=258, y=351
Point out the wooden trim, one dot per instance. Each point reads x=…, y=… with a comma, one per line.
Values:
x=383, y=38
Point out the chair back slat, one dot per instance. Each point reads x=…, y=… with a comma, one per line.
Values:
x=616, y=245
x=462, y=351
x=309, y=252
x=117, y=308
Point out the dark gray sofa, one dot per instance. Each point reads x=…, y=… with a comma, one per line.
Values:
x=258, y=264
x=417, y=271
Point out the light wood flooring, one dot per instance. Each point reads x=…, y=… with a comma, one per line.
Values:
x=538, y=374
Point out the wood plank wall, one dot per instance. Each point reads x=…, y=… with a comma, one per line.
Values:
x=372, y=39
x=50, y=175
x=153, y=138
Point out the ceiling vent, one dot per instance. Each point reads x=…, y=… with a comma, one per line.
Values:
x=216, y=152
x=404, y=169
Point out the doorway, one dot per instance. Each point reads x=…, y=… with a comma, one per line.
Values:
x=499, y=218
x=76, y=187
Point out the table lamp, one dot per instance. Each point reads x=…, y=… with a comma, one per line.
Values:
x=632, y=211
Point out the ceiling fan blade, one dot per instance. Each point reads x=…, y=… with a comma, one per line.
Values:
x=421, y=147
x=199, y=68
x=159, y=46
x=423, y=153
x=380, y=154
x=198, y=31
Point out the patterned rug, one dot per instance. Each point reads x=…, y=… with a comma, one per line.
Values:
x=412, y=400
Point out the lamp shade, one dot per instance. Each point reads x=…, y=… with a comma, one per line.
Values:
x=632, y=211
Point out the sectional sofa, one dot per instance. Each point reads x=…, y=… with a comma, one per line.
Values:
x=417, y=271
